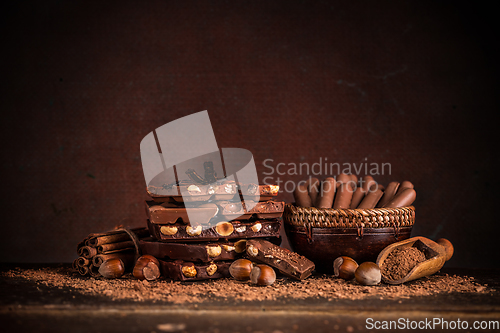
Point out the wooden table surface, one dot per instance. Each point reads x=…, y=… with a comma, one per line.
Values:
x=26, y=306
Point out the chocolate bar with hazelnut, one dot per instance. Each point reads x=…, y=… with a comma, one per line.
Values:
x=196, y=252
x=189, y=271
x=168, y=212
x=185, y=192
x=259, y=192
x=222, y=230
x=260, y=210
x=287, y=262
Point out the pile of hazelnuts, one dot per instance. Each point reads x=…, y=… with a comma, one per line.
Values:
x=257, y=274
x=366, y=274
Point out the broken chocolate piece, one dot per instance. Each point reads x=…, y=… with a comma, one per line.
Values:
x=223, y=230
x=259, y=192
x=204, y=252
x=197, y=252
x=287, y=262
x=188, y=271
x=172, y=213
x=261, y=210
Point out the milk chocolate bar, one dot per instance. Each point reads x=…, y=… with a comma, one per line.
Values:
x=185, y=192
x=172, y=213
x=188, y=271
x=259, y=192
x=222, y=230
x=261, y=210
x=287, y=262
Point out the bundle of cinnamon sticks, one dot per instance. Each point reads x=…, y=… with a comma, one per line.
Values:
x=96, y=248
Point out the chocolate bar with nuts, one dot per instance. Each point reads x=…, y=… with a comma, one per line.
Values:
x=185, y=192
x=260, y=210
x=222, y=230
x=287, y=262
x=188, y=271
x=203, y=213
x=259, y=192
x=204, y=252
x=171, y=213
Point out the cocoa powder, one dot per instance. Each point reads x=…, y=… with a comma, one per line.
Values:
x=318, y=286
x=400, y=262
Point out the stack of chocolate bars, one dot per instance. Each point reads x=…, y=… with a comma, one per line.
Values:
x=204, y=250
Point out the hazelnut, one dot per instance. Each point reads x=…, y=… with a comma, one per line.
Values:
x=252, y=251
x=212, y=189
x=228, y=248
x=448, y=247
x=368, y=274
x=193, y=231
x=240, y=269
x=256, y=227
x=240, y=246
x=168, y=230
x=211, y=269
x=344, y=267
x=242, y=228
x=112, y=268
x=224, y=228
x=214, y=251
x=229, y=188
x=262, y=275
x=146, y=267
x=189, y=271
x=193, y=188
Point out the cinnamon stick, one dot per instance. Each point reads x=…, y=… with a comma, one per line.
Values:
x=104, y=248
x=115, y=237
x=87, y=252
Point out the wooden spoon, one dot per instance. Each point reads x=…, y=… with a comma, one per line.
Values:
x=436, y=254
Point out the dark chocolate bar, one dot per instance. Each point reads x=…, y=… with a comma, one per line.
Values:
x=222, y=230
x=287, y=262
x=188, y=271
x=204, y=252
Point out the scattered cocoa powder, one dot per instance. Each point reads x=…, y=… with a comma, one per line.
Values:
x=317, y=286
x=400, y=262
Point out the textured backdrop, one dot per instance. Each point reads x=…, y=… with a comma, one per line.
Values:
x=410, y=83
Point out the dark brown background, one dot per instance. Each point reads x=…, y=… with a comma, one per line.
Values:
x=411, y=83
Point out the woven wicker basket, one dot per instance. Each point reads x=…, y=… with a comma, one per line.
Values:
x=324, y=234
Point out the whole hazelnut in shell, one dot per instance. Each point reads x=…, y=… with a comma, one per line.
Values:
x=146, y=267
x=262, y=275
x=344, y=267
x=368, y=274
x=112, y=268
x=240, y=269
